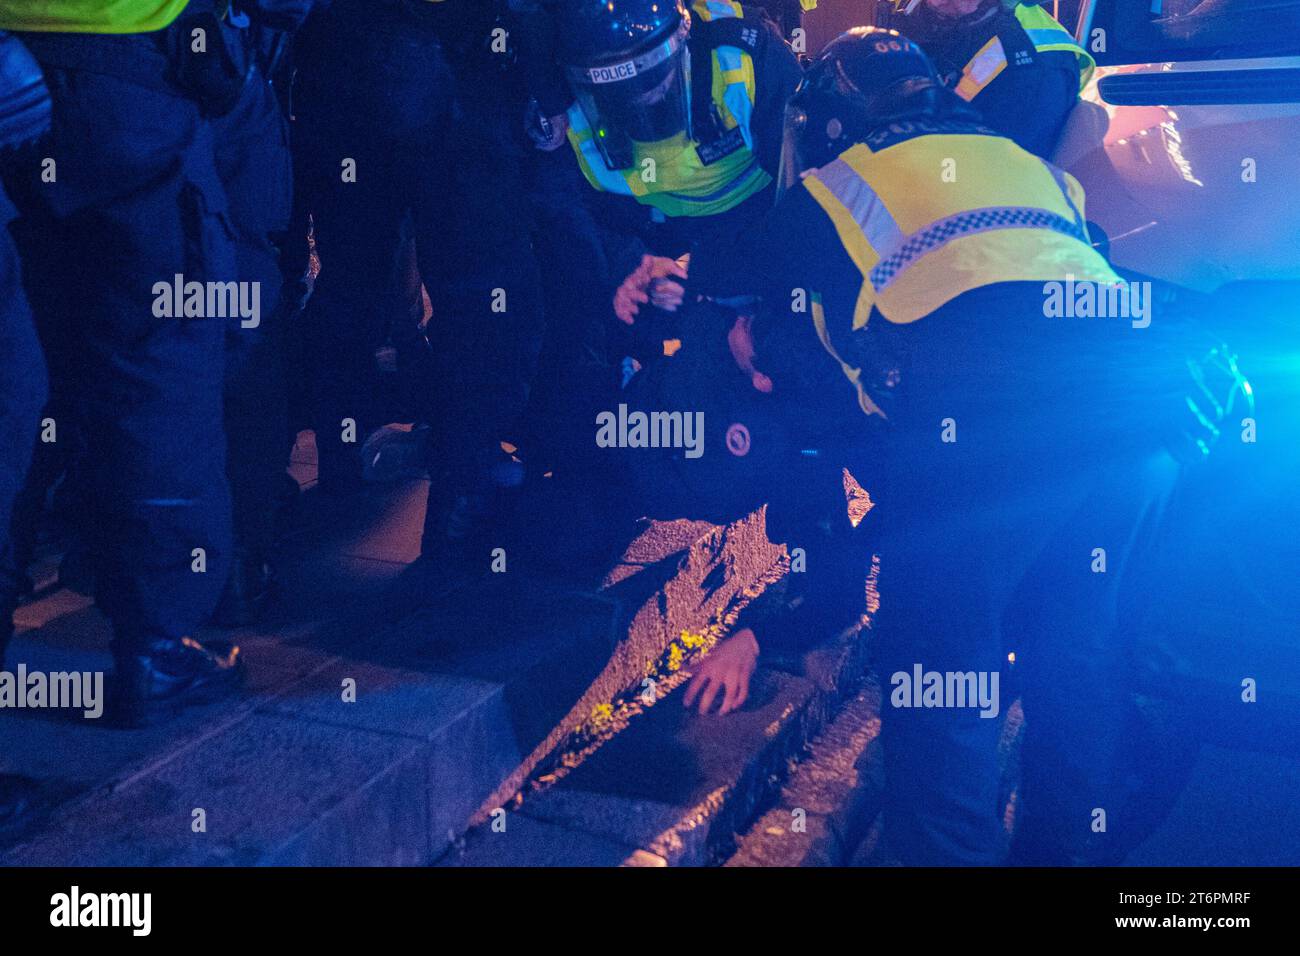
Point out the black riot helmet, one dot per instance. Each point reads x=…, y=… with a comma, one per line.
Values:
x=627, y=63
x=863, y=80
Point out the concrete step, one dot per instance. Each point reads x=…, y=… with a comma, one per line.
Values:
x=390, y=707
x=454, y=680
x=672, y=578
x=61, y=630
x=661, y=785
x=829, y=802
x=375, y=758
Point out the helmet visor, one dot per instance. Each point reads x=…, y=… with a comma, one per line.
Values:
x=642, y=98
x=793, y=165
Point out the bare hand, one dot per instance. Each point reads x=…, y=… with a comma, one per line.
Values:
x=741, y=342
x=726, y=670
x=650, y=280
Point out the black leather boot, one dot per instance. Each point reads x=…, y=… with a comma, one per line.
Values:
x=168, y=676
x=248, y=589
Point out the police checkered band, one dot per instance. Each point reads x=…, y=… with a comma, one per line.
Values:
x=966, y=224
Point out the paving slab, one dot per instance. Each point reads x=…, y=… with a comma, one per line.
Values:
x=481, y=676
x=272, y=789
x=530, y=843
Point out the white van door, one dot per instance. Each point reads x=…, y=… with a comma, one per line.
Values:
x=1187, y=139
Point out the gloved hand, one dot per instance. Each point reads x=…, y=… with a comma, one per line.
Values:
x=548, y=133
x=1217, y=395
x=24, y=98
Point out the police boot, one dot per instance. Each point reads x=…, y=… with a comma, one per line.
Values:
x=466, y=509
x=248, y=590
x=156, y=683
x=453, y=526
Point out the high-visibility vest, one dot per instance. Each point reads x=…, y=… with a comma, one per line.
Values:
x=670, y=175
x=1047, y=35
x=716, y=9
x=89, y=16
x=920, y=241
x=1044, y=33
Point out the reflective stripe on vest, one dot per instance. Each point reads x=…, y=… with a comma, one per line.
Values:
x=681, y=185
x=982, y=70
x=1047, y=35
x=920, y=242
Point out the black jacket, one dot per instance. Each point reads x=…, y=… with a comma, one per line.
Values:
x=1030, y=99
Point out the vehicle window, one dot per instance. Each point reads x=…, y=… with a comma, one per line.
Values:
x=1151, y=31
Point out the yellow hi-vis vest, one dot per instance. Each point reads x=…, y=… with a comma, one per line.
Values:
x=89, y=16
x=1044, y=33
x=669, y=175
x=1048, y=35
x=919, y=241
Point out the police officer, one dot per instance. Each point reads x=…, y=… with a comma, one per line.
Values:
x=24, y=116
x=1012, y=61
x=672, y=112
x=677, y=116
x=125, y=200
x=417, y=140
x=255, y=168
x=1000, y=446
x=537, y=23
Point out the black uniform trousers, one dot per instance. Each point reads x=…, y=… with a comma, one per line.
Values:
x=131, y=201
x=23, y=391
x=428, y=131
